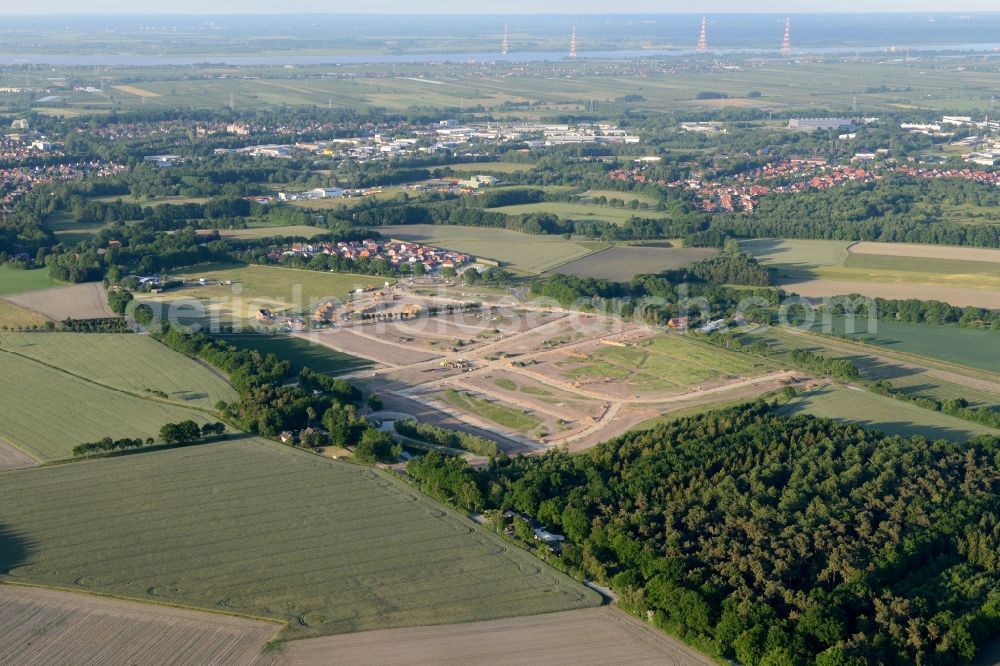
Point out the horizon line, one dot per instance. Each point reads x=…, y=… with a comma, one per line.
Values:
x=911, y=12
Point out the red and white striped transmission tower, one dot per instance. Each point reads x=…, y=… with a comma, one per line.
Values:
x=505, y=48
x=703, y=38
x=572, y=44
x=786, y=43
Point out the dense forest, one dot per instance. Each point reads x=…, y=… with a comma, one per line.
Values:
x=772, y=540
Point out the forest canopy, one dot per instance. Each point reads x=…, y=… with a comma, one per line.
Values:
x=775, y=540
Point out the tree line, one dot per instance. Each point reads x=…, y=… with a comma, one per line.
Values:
x=771, y=540
x=454, y=439
x=171, y=434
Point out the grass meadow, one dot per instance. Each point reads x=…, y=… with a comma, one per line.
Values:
x=299, y=352
x=254, y=528
x=498, y=413
x=16, y=281
x=667, y=362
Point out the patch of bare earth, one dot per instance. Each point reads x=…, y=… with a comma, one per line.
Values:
x=12, y=457
x=595, y=636
x=43, y=627
x=926, y=251
x=76, y=301
x=369, y=346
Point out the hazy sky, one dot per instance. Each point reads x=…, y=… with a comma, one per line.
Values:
x=470, y=7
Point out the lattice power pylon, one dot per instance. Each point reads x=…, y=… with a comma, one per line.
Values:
x=572, y=43
x=505, y=48
x=786, y=43
x=703, y=37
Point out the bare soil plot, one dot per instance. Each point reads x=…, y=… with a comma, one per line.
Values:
x=959, y=296
x=77, y=301
x=388, y=390
x=138, y=92
x=662, y=365
x=623, y=262
x=472, y=329
x=926, y=251
x=13, y=458
x=566, y=331
x=536, y=396
x=595, y=637
x=50, y=627
x=365, y=346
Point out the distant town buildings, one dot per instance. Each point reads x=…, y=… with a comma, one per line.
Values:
x=395, y=253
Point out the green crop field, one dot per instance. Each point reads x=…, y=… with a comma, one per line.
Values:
x=579, y=211
x=253, y=286
x=490, y=167
x=666, y=362
x=521, y=252
x=951, y=344
x=255, y=528
x=134, y=363
x=299, y=352
x=47, y=412
x=16, y=281
x=622, y=262
x=888, y=362
x=873, y=411
x=820, y=261
x=508, y=417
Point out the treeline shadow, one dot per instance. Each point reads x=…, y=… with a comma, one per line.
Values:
x=16, y=549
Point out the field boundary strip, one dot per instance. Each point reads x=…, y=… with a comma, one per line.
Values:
x=142, y=600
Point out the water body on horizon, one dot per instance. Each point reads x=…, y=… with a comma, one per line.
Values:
x=138, y=60
x=370, y=39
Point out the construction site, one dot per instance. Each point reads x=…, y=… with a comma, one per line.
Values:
x=533, y=377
